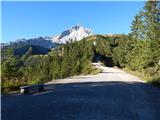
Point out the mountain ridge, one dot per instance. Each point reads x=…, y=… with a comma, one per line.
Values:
x=74, y=33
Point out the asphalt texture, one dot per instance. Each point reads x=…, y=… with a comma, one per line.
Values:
x=110, y=95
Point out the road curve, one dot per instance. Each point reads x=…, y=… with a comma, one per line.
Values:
x=110, y=95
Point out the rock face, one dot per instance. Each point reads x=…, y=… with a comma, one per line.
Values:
x=40, y=41
x=75, y=33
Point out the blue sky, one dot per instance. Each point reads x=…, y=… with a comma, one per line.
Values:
x=34, y=19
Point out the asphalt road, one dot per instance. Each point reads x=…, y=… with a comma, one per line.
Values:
x=111, y=95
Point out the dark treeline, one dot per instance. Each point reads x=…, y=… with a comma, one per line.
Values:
x=139, y=51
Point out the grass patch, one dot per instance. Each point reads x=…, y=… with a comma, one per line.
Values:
x=140, y=75
x=12, y=87
x=154, y=81
x=96, y=70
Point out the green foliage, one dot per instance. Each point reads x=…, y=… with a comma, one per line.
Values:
x=10, y=72
x=139, y=51
x=146, y=30
x=71, y=59
x=66, y=60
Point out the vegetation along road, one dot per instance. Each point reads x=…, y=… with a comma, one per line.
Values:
x=110, y=95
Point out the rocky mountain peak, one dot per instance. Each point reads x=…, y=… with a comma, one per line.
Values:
x=77, y=32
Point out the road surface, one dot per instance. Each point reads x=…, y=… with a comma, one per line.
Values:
x=110, y=95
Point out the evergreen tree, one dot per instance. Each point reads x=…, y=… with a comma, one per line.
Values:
x=137, y=27
x=151, y=14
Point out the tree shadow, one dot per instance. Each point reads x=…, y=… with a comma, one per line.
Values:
x=107, y=61
x=85, y=100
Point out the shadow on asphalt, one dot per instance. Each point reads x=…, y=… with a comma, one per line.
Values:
x=95, y=85
x=84, y=101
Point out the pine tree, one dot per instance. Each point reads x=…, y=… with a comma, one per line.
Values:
x=146, y=24
x=152, y=22
x=137, y=27
x=151, y=15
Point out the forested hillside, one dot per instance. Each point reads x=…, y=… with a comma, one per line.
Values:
x=66, y=60
x=139, y=51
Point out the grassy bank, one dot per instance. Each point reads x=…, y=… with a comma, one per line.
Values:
x=153, y=80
